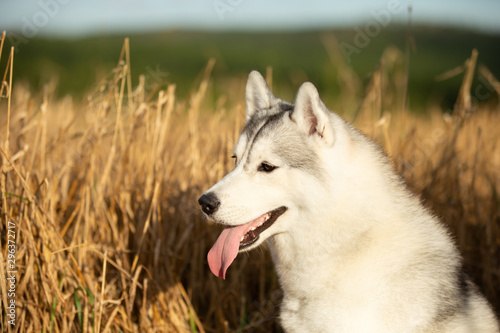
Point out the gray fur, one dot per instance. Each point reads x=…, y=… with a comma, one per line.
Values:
x=273, y=129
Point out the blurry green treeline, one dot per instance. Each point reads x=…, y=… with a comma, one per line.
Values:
x=294, y=57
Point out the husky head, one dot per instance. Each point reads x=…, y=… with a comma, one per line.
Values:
x=276, y=174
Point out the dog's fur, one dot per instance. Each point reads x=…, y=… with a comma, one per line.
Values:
x=355, y=251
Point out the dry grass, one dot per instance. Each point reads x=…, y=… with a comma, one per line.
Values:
x=103, y=195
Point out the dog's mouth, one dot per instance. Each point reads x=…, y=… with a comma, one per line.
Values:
x=254, y=232
x=240, y=237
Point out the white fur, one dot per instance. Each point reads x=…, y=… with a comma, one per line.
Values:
x=355, y=251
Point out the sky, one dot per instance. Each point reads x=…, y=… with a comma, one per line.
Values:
x=80, y=18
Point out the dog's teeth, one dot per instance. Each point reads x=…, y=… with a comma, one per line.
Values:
x=242, y=238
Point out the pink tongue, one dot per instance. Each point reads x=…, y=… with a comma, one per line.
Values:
x=226, y=247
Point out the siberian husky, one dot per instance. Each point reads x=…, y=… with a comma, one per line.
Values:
x=354, y=249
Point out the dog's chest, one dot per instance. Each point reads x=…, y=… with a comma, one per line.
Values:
x=329, y=299
x=329, y=315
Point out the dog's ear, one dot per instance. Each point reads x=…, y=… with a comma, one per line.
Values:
x=311, y=115
x=258, y=94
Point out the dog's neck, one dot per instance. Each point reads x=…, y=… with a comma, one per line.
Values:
x=332, y=240
x=298, y=256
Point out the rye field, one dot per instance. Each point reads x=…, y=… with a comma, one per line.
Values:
x=100, y=226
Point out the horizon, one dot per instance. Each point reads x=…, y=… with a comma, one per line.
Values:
x=73, y=20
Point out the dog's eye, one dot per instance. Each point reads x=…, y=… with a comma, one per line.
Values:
x=266, y=167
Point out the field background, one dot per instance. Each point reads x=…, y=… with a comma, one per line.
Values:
x=106, y=146
x=178, y=57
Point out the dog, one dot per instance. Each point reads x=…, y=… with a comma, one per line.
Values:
x=353, y=248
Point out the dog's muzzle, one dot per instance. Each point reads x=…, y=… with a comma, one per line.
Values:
x=209, y=203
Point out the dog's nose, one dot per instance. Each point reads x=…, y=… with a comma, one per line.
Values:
x=209, y=203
